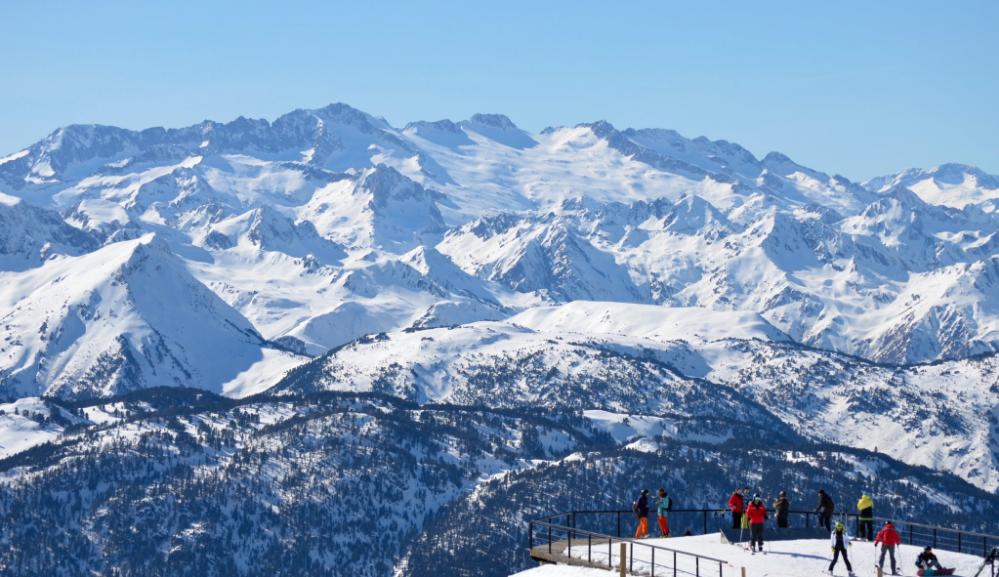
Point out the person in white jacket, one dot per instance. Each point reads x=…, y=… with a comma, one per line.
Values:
x=839, y=541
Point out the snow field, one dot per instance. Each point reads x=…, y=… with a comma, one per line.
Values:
x=801, y=558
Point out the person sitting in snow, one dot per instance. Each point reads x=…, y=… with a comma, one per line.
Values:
x=927, y=560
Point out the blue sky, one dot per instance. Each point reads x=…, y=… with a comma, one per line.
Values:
x=856, y=88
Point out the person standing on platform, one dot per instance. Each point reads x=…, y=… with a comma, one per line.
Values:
x=641, y=508
x=735, y=505
x=865, y=522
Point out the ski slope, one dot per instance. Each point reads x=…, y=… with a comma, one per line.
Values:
x=801, y=558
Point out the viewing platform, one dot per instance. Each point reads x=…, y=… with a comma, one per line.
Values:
x=598, y=539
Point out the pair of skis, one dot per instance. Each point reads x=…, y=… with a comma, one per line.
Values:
x=989, y=559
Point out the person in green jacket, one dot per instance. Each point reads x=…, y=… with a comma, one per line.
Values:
x=865, y=523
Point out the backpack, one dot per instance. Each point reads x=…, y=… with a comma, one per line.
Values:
x=634, y=509
x=669, y=503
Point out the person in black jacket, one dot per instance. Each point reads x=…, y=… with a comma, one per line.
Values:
x=782, y=506
x=927, y=560
x=825, y=510
x=642, y=514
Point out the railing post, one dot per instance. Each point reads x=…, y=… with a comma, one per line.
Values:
x=705, y=521
x=910, y=533
x=934, y=538
x=619, y=524
x=624, y=554
x=808, y=519
x=569, y=532
x=697, y=566
x=631, y=561
x=549, y=538
x=653, y=562
x=589, y=548
x=985, y=546
x=959, y=541
x=674, y=563
x=573, y=519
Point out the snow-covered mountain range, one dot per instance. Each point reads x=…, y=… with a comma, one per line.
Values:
x=329, y=224
x=624, y=283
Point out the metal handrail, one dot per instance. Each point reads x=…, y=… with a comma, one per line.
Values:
x=590, y=535
x=940, y=537
x=636, y=541
x=947, y=529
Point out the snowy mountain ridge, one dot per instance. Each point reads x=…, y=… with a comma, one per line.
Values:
x=283, y=256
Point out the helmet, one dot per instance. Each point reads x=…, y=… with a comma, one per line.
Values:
x=645, y=491
x=783, y=493
x=928, y=549
x=839, y=525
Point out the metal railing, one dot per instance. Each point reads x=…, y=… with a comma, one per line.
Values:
x=944, y=538
x=563, y=539
x=607, y=525
x=697, y=521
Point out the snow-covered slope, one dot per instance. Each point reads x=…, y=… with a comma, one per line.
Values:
x=126, y=316
x=329, y=224
x=797, y=558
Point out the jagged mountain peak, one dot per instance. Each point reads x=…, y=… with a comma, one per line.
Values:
x=694, y=215
x=440, y=125
x=497, y=121
x=954, y=185
x=133, y=318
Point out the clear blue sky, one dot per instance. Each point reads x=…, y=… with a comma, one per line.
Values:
x=858, y=88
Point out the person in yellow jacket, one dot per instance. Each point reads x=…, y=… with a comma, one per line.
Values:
x=865, y=523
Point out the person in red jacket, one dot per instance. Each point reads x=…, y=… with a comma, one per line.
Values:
x=735, y=504
x=889, y=539
x=757, y=513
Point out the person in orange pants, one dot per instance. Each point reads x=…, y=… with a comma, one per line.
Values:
x=662, y=509
x=642, y=514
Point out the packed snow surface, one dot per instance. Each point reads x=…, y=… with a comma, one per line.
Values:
x=800, y=558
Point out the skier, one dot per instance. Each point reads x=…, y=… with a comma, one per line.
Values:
x=662, y=509
x=889, y=539
x=735, y=504
x=641, y=509
x=838, y=542
x=927, y=560
x=757, y=513
x=782, y=506
x=865, y=521
x=825, y=510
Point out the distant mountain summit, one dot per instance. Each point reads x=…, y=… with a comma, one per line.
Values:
x=956, y=185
